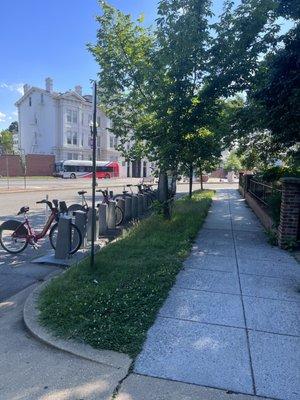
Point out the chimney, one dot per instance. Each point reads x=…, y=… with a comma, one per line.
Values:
x=78, y=90
x=26, y=87
x=49, y=85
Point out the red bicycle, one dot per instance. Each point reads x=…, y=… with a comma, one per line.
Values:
x=15, y=235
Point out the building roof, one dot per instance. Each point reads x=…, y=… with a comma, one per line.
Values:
x=55, y=95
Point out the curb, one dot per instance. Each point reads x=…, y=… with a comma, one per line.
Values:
x=31, y=313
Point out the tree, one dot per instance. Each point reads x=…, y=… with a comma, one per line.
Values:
x=6, y=142
x=13, y=127
x=162, y=87
x=232, y=163
x=268, y=123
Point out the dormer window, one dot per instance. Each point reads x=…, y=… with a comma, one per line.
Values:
x=29, y=101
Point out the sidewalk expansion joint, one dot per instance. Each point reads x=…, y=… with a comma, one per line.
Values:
x=226, y=390
x=242, y=300
x=228, y=326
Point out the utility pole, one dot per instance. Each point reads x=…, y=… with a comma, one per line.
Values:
x=94, y=183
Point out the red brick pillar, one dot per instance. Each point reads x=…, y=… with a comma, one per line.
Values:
x=288, y=230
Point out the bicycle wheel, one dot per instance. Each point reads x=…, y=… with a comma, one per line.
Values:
x=76, y=237
x=13, y=239
x=75, y=207
x=119, y=216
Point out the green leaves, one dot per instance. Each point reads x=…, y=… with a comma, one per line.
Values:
x=6, y=142
x=163, y=84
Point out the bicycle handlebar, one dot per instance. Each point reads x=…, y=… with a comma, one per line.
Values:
x=49, y=204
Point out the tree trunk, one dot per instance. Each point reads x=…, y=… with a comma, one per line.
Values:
x=163, y=194
x=191, y=180
x=201, y=176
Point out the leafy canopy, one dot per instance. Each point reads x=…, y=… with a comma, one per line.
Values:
x=163, y=86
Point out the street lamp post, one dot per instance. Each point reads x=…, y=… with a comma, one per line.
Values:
x=94, y=183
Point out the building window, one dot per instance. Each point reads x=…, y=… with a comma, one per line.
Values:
x=90, y=119
x=116, y=142
x=74, y=117
x=98, y=121
x=75, y=138
x=69, y=137
x=82, y=118
x=111, y=141
x=75, y=156
x=69, y=156
x=29, y=101
x=69, y=116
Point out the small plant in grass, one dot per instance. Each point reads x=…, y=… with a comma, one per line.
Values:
x=274, y=204
x=291, y=244
x=272, y=237
x=112, y=306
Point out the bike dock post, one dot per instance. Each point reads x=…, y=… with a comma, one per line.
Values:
x=63, y=243
x=140, y=205
x=134, y=209
x=145, y=202
x=81, y=223
x=128, y=207
x=89, y=224
x=121, y=204
x=102, y=212
x=111, y=215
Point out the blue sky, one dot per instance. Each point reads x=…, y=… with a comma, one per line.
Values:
x=48, y=38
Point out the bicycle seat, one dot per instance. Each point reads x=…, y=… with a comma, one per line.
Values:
x=23, y=210
x=82, y=192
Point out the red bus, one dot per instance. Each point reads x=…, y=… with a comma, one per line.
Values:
x=73, y=169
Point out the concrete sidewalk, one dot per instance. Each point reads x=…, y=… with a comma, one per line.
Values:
x=232, y=319
x=31, y=370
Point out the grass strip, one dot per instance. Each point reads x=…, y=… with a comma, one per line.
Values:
x=112, y=306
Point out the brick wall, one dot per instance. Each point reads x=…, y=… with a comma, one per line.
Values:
x=218, y=173
x=288, y=230
x=10, y=165
x=36, y=164
x=40, y=164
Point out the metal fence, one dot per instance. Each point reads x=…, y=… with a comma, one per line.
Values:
x=262, y=191
x=241, y=180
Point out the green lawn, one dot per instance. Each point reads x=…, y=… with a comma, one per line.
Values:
x=113, y=306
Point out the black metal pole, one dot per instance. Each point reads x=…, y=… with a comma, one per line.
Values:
x=94, y=173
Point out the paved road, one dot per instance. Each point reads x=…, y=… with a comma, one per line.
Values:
x=232, y=319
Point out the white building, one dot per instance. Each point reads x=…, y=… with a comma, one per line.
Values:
x=59, y=123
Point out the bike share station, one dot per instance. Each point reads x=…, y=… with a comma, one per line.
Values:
x=98, y=227
x=97, y=224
